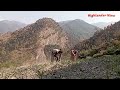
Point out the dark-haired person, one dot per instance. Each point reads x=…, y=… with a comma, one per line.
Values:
x=74, y=55
x=56, y=54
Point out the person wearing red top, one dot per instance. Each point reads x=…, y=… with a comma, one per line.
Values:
x=74, y=55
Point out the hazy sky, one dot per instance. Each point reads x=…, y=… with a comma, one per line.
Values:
x=31, y=16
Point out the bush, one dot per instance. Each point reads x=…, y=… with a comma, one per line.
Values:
x=97, y=55
x=116, y=43
x=117, y=52
x=90, y=52
x=111, y=50
x=9, y=63
x=81, y=56
x=103, y=52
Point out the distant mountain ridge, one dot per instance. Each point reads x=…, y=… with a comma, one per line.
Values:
x=10, y=26
x=78, y=30
x=102, y=24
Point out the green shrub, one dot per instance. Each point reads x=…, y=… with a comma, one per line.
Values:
x=103, y=52
x=90, y=52
x=84, y=52
x=9, y=63
x=111, y=50
x=97, y=55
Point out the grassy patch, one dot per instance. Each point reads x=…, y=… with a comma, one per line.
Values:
x=8, y=64
x=89, y=52
x=116, y=64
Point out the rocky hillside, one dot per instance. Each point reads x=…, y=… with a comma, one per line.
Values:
x=107, y=39
x=106, y=67
x=78, y=30
x=10, y=26
x=32, y=42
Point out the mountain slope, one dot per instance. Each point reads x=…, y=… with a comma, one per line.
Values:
x=78, y=30
x=30, y=42
x=109, y=37
x=10, y=26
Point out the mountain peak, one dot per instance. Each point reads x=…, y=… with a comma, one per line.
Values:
x=36, y=39
x=45, y=20
x=78, y=20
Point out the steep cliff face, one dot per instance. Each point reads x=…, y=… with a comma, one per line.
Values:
x=31, y=40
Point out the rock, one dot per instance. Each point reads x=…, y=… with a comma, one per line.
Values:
x=97, y=55
x=88, y=57
x=13, y=78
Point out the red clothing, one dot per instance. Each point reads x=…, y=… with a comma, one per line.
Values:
x=74, y=54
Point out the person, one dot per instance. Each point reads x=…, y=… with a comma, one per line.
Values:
x=60, y=54
x=74, y=54
x=56, y=54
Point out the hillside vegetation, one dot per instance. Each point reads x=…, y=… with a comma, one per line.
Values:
x=25, y=53
x=104, y=42
x=105, y=67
